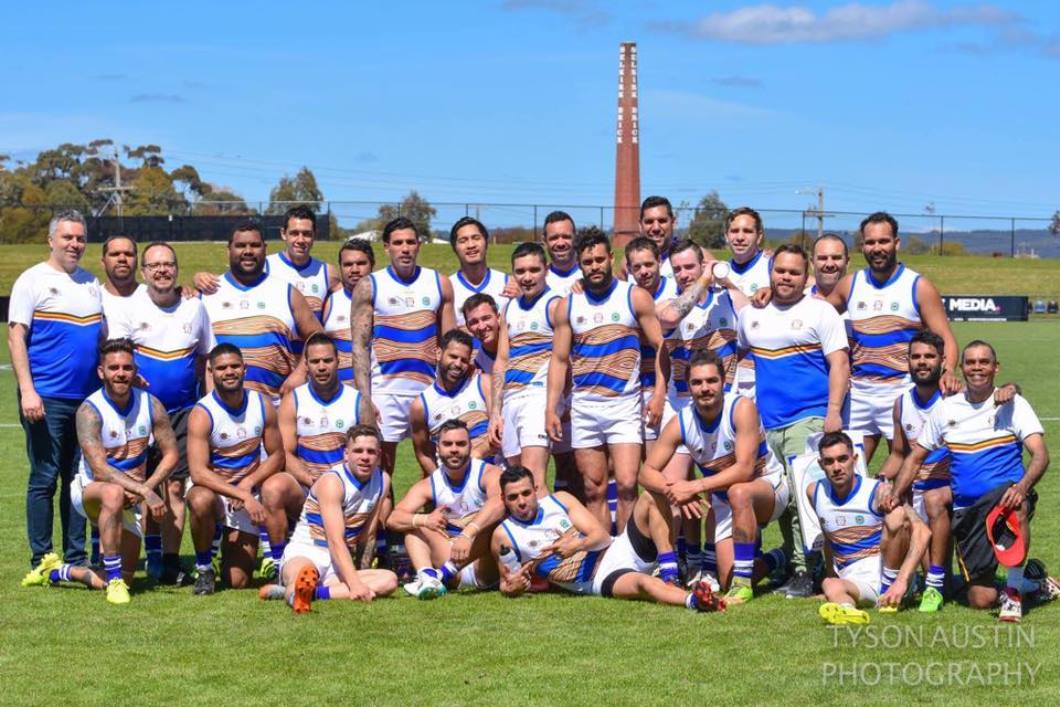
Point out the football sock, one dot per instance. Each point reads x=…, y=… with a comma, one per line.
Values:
x=709, y=559
x=774, y=559
x=263, y=539
x=668, y=566
x=743, y=563
x=204, y=560
x=682, y=547
x=112, y=565
x=690, y=601
x=60, y=575
x=889, y=575
x=322, y=593
x=276, y=551
x=153, y=549
x=218, y=535
x=936, y=577
x=449, y=570
x=95, y=560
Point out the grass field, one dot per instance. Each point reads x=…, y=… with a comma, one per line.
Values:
x=68, y=645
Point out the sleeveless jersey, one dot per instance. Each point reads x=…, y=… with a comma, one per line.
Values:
x=320, y=426
x=258, y=319
x=236, y=446
x=125, y=434
x=467, y=403
x=560, y=281
x=883, y=318
x=710, y=325
x=667, y=289
x=337, y=327
x=605, y=357
x=359, y=499
x=460, y=502
x=713, y=446
x=310, y=279
x=530, y=537
x=405, y=331
x=484, y=360
x=529, y=344
x=492, y=284
x=752, y=275
x=913, y=415
x=851, y=527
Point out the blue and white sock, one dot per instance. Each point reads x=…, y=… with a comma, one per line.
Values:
x=690, y=601
x=112, y=566
x=276, y=551
x=668, y=566
x=60, y=575
x=774, y=559
x=449, y=570
x=218, y=536
x=204, y=560
x=263, y=541
x=743, y=563
x=612, y=504
x=887, y=579
x=936, y=577
x=322, y=593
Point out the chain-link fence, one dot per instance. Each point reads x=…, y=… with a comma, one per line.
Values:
x=922, y=233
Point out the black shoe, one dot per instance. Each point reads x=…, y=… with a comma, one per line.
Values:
x=800, y=586
x=205, y=583
x=172, y=575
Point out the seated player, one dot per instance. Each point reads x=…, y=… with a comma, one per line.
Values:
x=742, y=478
x=114, y=426
x=457, y=393
x=852, y=519
x=557, y=539
x=233, y=447
x=449, y=546
x=342, y=510
x=986, y=443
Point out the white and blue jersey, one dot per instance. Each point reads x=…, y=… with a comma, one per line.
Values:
x=404, y=331
x=751, y=276
x=884, y=317
x=311, y=279
x=666, y=290
x=529, y=538
x=336, y=320
x=321, y=425
x=63, y=315
x=560, y=281
x=236, y=435
x=492, y=284
x=169, y=341
x=605, y=355
x=790, y=344
x=124, y=433
x=853, y=526
x=467, y=403
x=913, y=414
x=259, y=319
x=359, y=501
x=709, y=325
x=460, y=501
x=529, y=343
x=985, y=442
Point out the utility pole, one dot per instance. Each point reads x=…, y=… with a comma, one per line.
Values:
x=117, y=190
x=818, y=212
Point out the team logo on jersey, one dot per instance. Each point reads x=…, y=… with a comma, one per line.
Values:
x=426, y=301
x=564, y=524
x=580, y=319
x=53, y=291
x=226, y=305
x=223, y=435
x=342, y=317
x=113, y=434
x=393, y=301
x=859, y=519
x=261, y=305
x=723, y=322
x=533, y=326
x=951, y=423
x=796, y=324
x=143, y=430
x=908, y=427
x=244, y=304
x=307, y=420
x=519, y=326
x=241, y=433
x=300, y=285
x=862, y=305
x=315, y=288
x=472, y=405
x=728, y=446
x=614, y=316
x=187, y=327
x=754, y=324
x=894, y=306
x=754, y=287
x=409, y=301
x=324, y=421
x=877, y=306
x=338, y=423
x=690, y=326
x=257, y=430
x=598, y=318
x=840, y=521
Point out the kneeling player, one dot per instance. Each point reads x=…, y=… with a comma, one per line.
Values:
x=742, y=477
x=557, y=539
x=449, y=547
x=114, y=425
x=849, y=508
x=342, y=510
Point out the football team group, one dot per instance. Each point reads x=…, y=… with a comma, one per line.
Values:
x=684, y=403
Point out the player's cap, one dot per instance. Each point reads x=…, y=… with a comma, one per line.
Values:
x=1005, y=535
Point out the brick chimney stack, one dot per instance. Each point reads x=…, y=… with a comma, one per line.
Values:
x=627, y=149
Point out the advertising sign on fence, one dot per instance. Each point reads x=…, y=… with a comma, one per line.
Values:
x=986, y=308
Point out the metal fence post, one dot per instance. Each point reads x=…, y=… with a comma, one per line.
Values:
x=1012, y=238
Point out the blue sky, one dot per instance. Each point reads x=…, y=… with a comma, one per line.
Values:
x=887, y=104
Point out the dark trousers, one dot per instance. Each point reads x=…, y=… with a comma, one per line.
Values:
x=54, y=453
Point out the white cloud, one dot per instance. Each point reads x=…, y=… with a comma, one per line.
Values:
x=694, y=106
x=772, y=24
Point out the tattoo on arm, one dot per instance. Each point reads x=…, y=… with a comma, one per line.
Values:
x=165, y=438
x=361, y=331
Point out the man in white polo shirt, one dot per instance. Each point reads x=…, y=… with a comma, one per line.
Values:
x=802, y=371
x=55, y=321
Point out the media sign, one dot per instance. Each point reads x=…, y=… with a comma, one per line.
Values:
x=988, y=308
